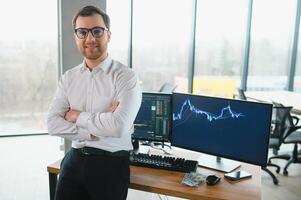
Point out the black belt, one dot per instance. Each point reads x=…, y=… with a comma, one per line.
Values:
x=95, y=151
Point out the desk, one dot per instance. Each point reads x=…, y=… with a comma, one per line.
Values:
x=286, y=98
x=169, y=183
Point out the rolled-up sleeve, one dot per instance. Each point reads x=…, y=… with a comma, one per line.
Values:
x=114, y=124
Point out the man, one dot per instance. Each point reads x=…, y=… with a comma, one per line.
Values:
x=95, y=106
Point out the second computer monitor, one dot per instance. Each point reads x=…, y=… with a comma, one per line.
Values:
x=153, y=121
x=228, y=128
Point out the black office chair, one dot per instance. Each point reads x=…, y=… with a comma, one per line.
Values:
x=291, y=136
x=277, y=136
x=279, y=124
x=273, y=143
x=167, y=88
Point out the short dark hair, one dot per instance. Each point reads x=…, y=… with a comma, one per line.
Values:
x=91, y=11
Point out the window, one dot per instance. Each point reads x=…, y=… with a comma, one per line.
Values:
x=220, y=33
x=162, y=35
x=29, y=65
x=119, y=12
x=297, y=79
x=271, y=37
x=161, y=42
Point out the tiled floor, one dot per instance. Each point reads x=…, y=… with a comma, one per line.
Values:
x=23, y=174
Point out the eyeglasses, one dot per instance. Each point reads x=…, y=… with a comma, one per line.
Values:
x=97, y=32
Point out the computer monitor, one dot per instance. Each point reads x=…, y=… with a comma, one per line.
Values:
x=153, y=121
x=227, y=128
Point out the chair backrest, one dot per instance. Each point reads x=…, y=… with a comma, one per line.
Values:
x=291, y=125
x=167, y=88
x=291, y=121
x=241, y=94
x=281, y=121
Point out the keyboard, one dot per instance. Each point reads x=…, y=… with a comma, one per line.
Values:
x=163, y=162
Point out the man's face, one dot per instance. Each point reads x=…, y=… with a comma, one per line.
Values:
x=92, y=48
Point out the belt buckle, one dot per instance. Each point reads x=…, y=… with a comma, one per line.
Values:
x=83, y=150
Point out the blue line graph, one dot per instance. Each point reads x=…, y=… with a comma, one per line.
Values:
x=225, y=113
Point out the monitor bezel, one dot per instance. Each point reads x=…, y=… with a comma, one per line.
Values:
x=170, y=118
x=220, y=154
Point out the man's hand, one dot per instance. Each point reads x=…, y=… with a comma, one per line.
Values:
x=113, y=107
x=93, y=137
x=72, y=115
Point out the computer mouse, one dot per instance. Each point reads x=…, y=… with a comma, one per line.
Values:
x=212, y=179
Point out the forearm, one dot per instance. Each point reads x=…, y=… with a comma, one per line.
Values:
x=104, y=124
x=58, y=126
x=113, y=124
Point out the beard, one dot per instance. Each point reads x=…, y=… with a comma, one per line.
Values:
x=94, y=52
x=92, y=55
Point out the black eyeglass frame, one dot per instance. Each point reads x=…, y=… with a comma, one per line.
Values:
x=90, y=30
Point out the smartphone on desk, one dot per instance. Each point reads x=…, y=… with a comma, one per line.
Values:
x=238, y=175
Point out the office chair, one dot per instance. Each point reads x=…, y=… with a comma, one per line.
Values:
x=291, y=136
x=279, y=126
x=167, y=88
x=277, y=135
x=273, y=142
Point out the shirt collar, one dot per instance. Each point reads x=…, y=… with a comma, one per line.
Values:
x=103, y=66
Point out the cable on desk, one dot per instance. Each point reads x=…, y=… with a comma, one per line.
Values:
x=161, y=149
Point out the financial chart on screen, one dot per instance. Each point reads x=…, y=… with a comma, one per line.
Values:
x=228, y=128
x=153, y=121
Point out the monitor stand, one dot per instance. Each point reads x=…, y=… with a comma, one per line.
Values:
x=159, y=143
x=218, y=163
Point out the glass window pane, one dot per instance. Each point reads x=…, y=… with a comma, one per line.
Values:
x=29, y=65
x=271, y=36
x=220, y=33
x=297, y=79
x=161, y=38
x=119, y=15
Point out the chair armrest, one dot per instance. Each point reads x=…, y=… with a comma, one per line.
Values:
x=290, y=130
x=296, y=120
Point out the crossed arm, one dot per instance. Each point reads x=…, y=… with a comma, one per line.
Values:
x=72, y=115
x=79, y=125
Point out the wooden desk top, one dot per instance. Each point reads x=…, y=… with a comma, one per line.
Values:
x=54, y=168
x=169, y=183
x=286, y=98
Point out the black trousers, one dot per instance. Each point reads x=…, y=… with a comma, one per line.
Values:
x=93, y=177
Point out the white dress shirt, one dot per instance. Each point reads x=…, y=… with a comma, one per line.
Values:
x=92, y=93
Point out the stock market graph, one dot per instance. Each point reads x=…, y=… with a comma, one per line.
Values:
x=188, y=110
x=228, y=128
